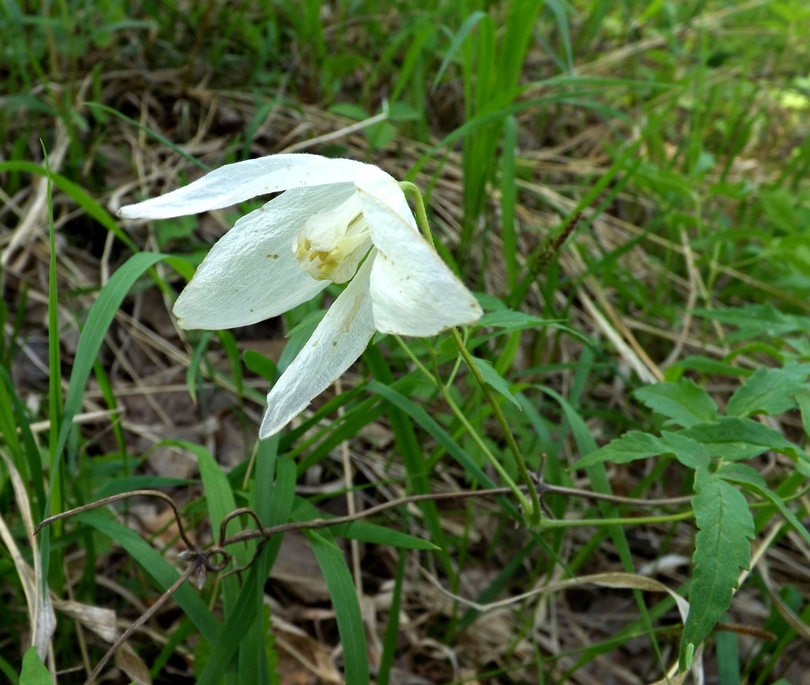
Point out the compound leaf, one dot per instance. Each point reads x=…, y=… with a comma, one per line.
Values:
x=725, y=525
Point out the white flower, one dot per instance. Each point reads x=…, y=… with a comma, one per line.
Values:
x=334, y=213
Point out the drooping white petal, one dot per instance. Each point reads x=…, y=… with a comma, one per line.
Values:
x=251, y=274
x=413, y=291
x=339, y=340
x=241, y=181
x=374, y=181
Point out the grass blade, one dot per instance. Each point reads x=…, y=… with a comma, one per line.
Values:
x=347, y=607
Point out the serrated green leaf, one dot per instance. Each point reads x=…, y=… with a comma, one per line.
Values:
x=687, y=451
x=751, y=479
x=741, y=473
x=494, y=380
x=629, y=447
x=635, y=445
x=33, y=670
x=721, y=548
x=733, y=439
x=769, y=391
x=684, y=402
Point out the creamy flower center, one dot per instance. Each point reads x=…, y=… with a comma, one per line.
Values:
x=331, y=244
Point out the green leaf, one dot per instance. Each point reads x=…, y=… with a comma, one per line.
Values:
x=779, y=208
x=115, y=486
x=33, y=670
x=707, y=365
x=769, y=391
x=192, y=371
x=684, y=402
x=629, y=447
x=218, y=494
x=455, y=45
x=493, y=379
x=260, y=365
x=734, y=439
x=171, y=229
x=757, y=319
x=98, y=321
x=751, y=479
x=635, y=445
x=687, y=451
x=347, y=607
x=741, y=473
x=511, y=320
x=721, y=549
x=803, y=400
x=249, y=603
x=418, y=414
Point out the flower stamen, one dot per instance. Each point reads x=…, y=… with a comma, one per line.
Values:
x=331, y=244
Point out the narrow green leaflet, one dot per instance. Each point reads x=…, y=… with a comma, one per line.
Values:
x=733, y=439
x=635, y=445
x=769, y=391
x=631, y=446
x=684, y=403
x=493, y=378
x=721, y=549
x=753, y=481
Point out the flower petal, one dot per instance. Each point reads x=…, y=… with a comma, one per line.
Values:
x=374, y=181
x=413, y=291
x=241, y=181
x=339, y=340
x=251, y=274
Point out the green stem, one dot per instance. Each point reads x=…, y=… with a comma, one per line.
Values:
x=533, y=511
x=421, y=214
x=461, y=416
x=636, y=521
